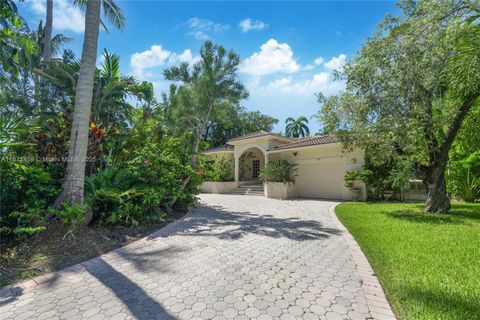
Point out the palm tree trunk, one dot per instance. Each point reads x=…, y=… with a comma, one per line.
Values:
x=47, y=37
x=73, y=186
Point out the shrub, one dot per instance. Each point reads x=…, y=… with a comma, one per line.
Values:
x=463, y=177
x=278, y=171
x=140, y=190
x=25, y=192
x=219, y=170
x=71, y=215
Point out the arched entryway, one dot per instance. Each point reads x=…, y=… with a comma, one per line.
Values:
x=250, y=161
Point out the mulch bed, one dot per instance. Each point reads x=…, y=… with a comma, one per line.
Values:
x=48, y=252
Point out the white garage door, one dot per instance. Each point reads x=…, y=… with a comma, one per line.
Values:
x=320, y=180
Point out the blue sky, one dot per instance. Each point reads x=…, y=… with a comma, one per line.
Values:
x=288, y=49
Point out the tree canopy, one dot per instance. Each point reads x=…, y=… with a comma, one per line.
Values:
x=409, y=90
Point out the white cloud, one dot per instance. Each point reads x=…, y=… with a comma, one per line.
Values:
x=65, y=15
x=157, y=56
x=336, y=63
x=319, y=82
x=249, y=24
x=272, y=57
x=153, y=57
x=200, y=28
x=318, y=61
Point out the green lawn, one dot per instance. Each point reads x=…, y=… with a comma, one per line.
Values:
x=428, y=264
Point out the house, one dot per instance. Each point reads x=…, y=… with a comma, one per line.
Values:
x=321, y=165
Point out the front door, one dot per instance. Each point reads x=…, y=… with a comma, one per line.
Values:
x=255, y=169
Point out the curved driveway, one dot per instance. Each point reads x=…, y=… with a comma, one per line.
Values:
x=233, y=257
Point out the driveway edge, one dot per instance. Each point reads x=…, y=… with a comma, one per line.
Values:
x=19, y=288
x=377, y=303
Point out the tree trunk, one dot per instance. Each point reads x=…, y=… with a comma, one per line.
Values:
x=73, y=186
x=437, y=200
x=195, y=148
x=47, y=37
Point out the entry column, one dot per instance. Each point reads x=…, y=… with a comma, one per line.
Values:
x=237, y=170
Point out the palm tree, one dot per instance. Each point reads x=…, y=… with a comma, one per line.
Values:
x=73, y=185
x=111, y=89
x=47, y=37
x=297, y=128
x=214, y=82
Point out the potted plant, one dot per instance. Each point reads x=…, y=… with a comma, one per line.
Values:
x=278, y=177
x=352, y=178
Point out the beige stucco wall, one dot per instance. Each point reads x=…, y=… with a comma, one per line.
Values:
x=218, y=187
x=321, y=169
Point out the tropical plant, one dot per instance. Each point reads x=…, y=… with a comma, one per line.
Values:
x=72, y=215
x=73, y=186
x=140, y=189
x=219, y=170
x=278, y=171
x=16, y=47
x=25, y=192
x=12, y=128
x=213, y=81
x=297, y=128
x=463, y=177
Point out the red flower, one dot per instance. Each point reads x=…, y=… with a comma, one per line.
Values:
x=201, y=173
x=146, y=162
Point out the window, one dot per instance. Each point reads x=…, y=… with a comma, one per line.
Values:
x=256, y=168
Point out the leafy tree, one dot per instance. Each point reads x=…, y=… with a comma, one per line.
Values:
x=16, y=47
x=297, y=128
x=232, y=121
x=73, y=186
x=144, y=92
x=213, y=81
x=256, y=121
x=409, y=90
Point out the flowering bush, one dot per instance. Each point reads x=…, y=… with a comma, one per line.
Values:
x=141, y=189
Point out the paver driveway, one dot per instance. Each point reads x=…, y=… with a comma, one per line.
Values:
x=234, y=257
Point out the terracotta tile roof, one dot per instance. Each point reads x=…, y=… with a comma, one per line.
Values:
x=226, y=147
x=306, y=142
x=258, y=134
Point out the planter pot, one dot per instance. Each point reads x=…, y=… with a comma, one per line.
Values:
x=279, y=190
x=218, y=187
x=356, y=194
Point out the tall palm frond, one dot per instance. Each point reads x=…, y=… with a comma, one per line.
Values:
x=111, y=11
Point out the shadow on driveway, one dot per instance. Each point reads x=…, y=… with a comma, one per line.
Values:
x=226, y=224
x=140, y=304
